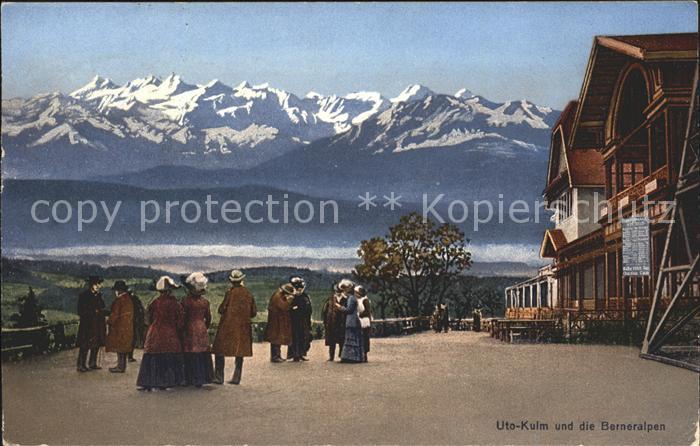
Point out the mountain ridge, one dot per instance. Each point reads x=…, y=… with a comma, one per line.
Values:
x=104, y=129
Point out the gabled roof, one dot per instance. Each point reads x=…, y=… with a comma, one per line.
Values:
x=566, y=119
x=584, y=166
x=653, y=46
x=563, y=126
x=609, y=56
x=553, y=241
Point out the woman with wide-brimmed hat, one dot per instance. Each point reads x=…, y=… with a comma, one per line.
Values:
x=235, y=334
x=196, y=351
x=162, y=364
x=279, y=323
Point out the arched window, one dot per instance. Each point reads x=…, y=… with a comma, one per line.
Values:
x=629, y=164
x=634, y=98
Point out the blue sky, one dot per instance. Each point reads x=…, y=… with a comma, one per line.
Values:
x=499, y=50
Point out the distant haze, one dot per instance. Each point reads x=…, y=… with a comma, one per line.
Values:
x=480, y=253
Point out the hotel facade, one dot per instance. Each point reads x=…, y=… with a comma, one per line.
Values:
x=618, y=152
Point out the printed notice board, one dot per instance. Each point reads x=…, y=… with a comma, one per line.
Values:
x=635, y=247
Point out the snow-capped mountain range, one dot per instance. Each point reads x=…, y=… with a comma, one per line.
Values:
x=105, y=128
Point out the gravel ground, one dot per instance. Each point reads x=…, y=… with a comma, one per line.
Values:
x=453, y=388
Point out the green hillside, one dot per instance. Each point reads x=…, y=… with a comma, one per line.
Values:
x=57, y=285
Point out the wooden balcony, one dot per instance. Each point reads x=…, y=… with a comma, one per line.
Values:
x=647, y=185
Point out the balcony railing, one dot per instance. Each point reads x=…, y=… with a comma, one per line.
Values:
x=647, y=185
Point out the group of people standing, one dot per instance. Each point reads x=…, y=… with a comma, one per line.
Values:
x=126, y=321
x=176, y=347
x=289, y=321
x=347, y=319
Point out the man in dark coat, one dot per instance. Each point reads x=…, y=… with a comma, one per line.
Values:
x=92, y=329
x=139, y=325
x=334, y=320
x=300, y=311
x=278, y=331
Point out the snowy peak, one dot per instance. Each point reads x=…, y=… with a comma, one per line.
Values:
x=455, y=122
x=167, y=120
x=369, y=96
x=313, y=95
x=97, y=83
x=464, y=93
x=143, y=82
x=215, y=104
x=342, y=112
x=415, y=92
x=519, y=112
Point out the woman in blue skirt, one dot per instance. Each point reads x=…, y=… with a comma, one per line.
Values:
x=353, y=348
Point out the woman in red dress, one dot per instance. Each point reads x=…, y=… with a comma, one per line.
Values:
x=198, y=365
x=162, y=365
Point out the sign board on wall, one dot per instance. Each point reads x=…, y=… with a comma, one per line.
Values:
x=635, y=247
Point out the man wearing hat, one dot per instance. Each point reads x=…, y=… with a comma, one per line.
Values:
x=120, y=338
x=91, y=331
x=300, y=312
x=235, y=334
x=279, y=324
x=334, y=319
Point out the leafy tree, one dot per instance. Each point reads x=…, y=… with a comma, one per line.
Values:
x=413, y=268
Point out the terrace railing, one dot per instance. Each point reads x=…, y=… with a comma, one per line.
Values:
x=21, y=342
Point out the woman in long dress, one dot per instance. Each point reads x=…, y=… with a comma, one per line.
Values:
x=365, y=314
x=162, y=364
x=353, y=348
x=197, y=355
